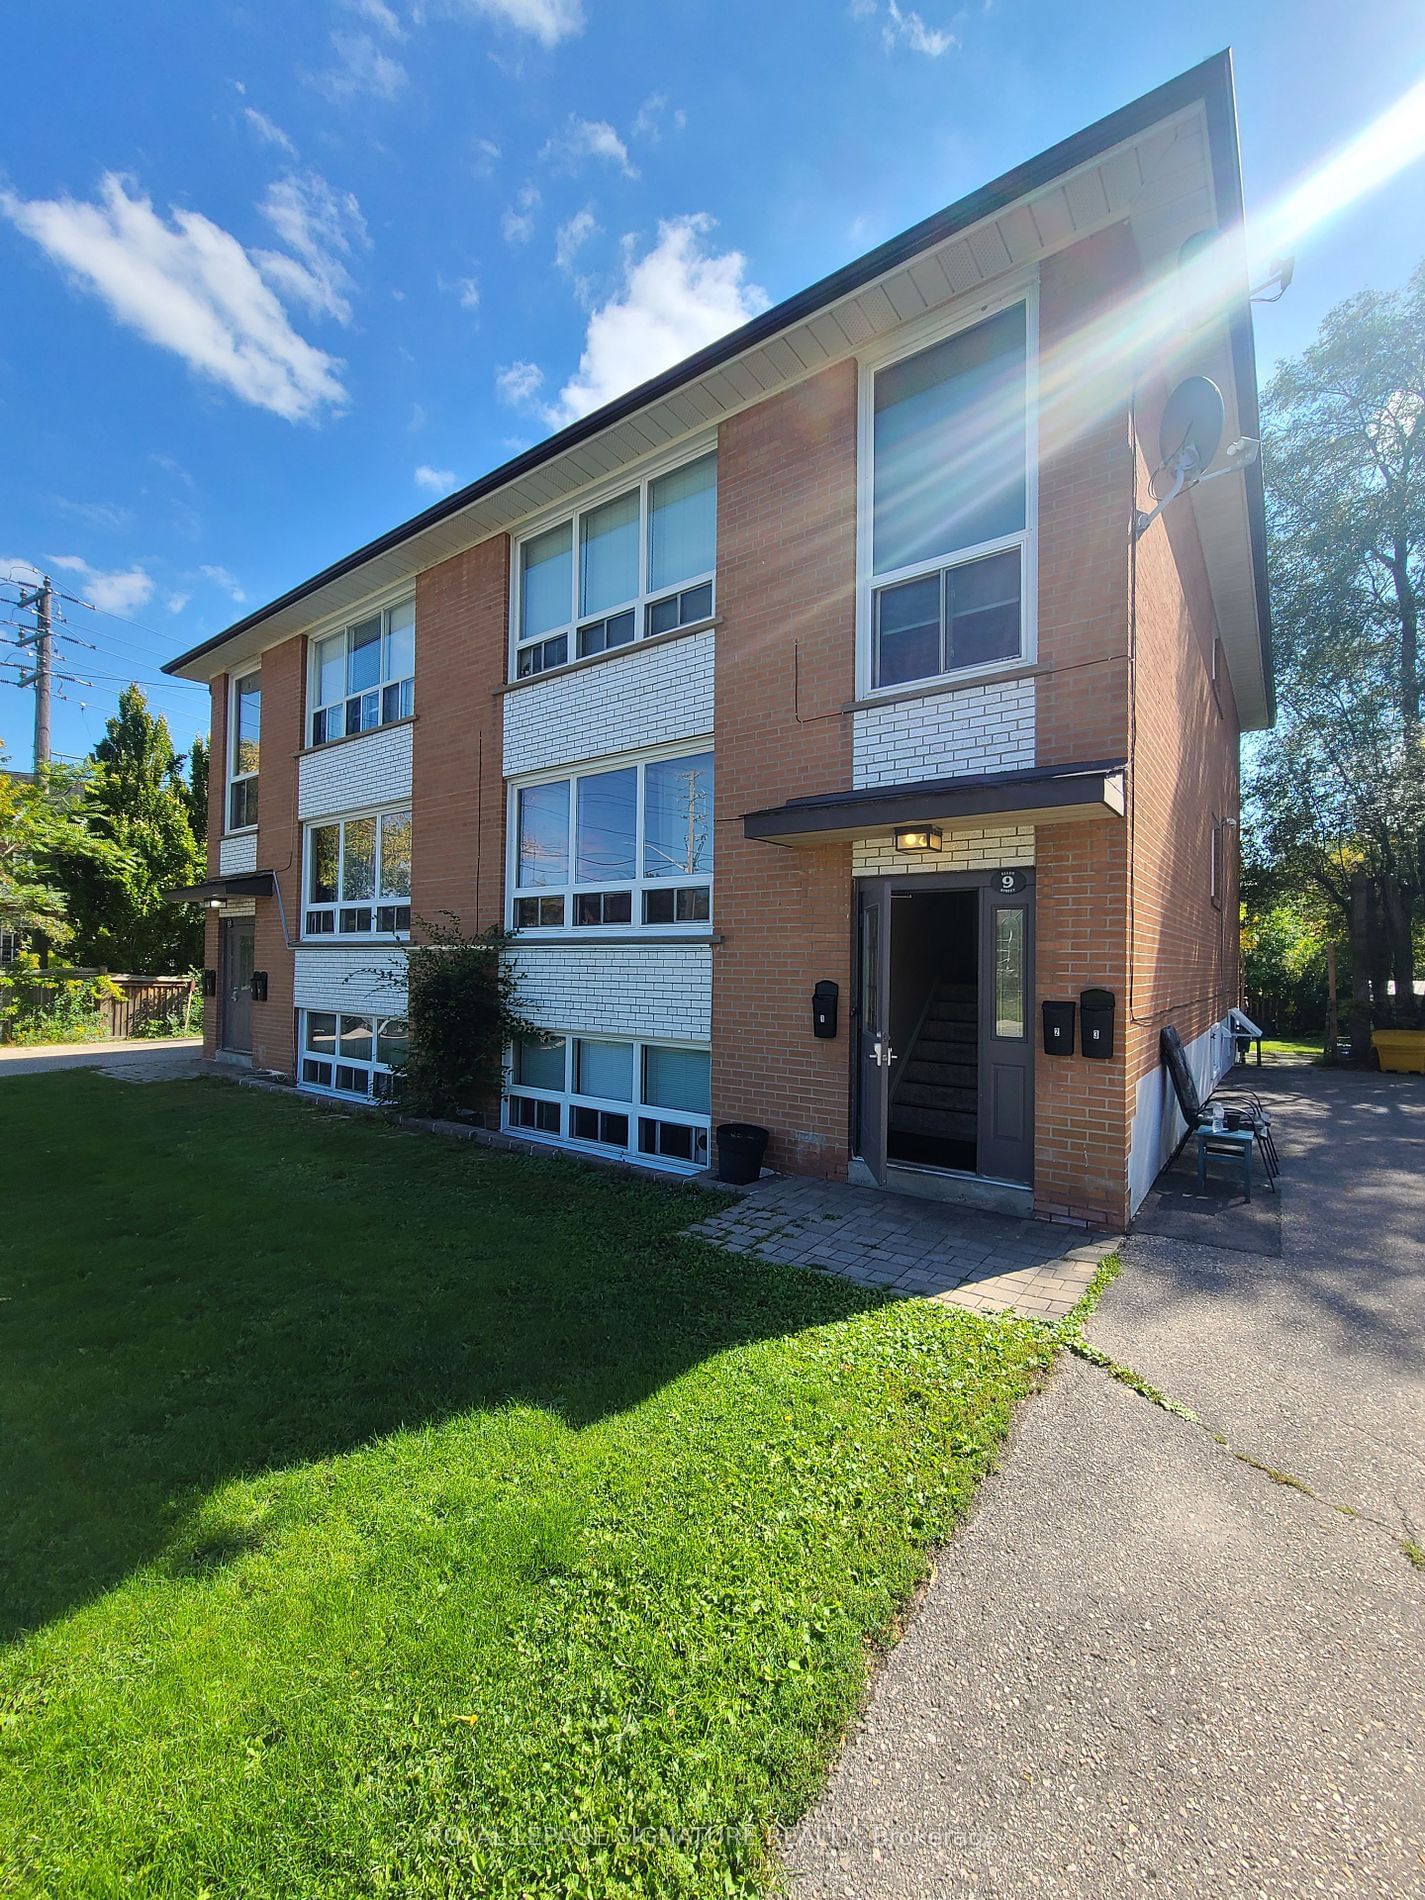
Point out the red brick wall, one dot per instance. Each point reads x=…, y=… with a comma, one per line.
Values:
x=458, y=802
x=217, y=794
x=785, y=671
x=1185, y=954
x=279, y=849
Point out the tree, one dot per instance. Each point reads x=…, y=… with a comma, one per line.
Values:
x=137, y=800
x=1337, y=798
x=196, y=789
x=44, y=835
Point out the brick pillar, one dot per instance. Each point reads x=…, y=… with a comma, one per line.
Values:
x=217, y=796
x=785, y=671
x=279, y=849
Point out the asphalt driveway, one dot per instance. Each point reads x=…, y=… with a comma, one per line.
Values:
x=1157, y=1660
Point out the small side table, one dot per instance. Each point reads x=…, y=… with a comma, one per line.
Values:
x=1237, y=1142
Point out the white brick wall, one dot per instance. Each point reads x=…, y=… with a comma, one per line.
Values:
x=354, y=773
x=945, y=735
x=340, y=977
x=983, y=850
x=657, y=990
x=236, y=855
x=645, y=697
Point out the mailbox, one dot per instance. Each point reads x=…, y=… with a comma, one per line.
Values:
x=1058, y=1029
x=1096, y=1012
x=210, y=982
x=823, y=1010
x=259, y=986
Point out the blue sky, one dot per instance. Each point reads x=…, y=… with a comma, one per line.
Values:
x=277, y=277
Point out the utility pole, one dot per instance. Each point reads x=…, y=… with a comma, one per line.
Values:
x=42, y=600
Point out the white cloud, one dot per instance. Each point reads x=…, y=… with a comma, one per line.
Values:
x=572, y=236
x=380, y=15
x=220, y=577
x=466, y=289
x=588, y=138
x=322, y=227
x=177, y=602
x=675, y=299
x=548, y=21
x=270, y=134
x=485, y=157
x=189, y=286
x=909, y=29
x=106, y=515
x=518, y=383
x=360, y=71
x=648, y=124
x=439, y=481
x=518, y=221
x=113, y=591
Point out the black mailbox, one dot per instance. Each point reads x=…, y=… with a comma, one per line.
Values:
x=210, y=982
x=1058, y=1029
x=259, y=986
x=1096, y=1011
x=823, y=1009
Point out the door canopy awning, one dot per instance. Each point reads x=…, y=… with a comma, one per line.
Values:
x=1040, y=795
x=222, y=890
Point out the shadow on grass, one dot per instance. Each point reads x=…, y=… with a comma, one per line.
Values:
x=201, y=1284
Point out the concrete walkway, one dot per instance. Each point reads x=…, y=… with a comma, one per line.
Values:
x=139, y=1061
x=967, y=1257
x=1147, y=1664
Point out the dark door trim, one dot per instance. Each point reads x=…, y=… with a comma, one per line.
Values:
x=236, y=964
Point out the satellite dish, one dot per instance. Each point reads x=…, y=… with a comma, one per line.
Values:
x=1191, y=427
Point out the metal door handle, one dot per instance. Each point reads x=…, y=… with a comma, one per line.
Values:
x=882, y=1054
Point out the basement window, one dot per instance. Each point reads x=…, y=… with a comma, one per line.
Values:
x=645, y=1101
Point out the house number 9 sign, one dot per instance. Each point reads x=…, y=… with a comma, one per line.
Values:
x=1007, y=882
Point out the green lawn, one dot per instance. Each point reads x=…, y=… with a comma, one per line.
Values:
x=382, y=1516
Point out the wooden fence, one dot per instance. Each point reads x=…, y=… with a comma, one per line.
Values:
x=141, y=1000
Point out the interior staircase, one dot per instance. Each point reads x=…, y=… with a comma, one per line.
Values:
x=935, y=1091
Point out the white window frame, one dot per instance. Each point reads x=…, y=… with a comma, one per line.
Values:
x=638, y=885
x=637, y=1110
x=908, y=341
x=234, y=777
x=381, y=608
x=371, y=1069
x=640, y=477
x=378, y=900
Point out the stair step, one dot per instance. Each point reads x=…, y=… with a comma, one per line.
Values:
x=952, y=1013
x=942, y=1075
x=935, y=1095
x=933, y=1121
x=934, y=1031
x=959, y=992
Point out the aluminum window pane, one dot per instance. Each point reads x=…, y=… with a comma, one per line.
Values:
x=396, y=854
x=982, y=610
x=678, y=816
x=605, y=1070
x=363, y=660
x=547, y=580
x=354, y=1039
x=1009, y=974
x=678, y=1078
x=331, y=670
x=608, y=554
x=399, y=658
x=543, y=826
x=607, y=825
x=682, y=524
x=321, y=1033
x=949, y=444
x=325, y=859
x=540, y=1065
x=392, y=1041
x=908, y=631
x=248, y=715
x=358, y=867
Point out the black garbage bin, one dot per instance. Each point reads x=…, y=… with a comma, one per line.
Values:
x=740, y=1148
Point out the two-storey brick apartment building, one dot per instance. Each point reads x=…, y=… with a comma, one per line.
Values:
x=829, y=657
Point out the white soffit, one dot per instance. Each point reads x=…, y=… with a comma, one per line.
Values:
x=1159, y=181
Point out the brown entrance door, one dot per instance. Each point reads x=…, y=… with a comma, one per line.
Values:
x=239, y=946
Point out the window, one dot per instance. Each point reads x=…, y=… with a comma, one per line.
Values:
x=638, y=564
x=1009, y=974
x=359, y=876
x=352, y=1055
x=364, y=676
x=246, y=716
x=949, y=504
x=632, y=846
x=643, y=1099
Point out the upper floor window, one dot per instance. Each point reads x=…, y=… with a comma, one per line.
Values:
x=632, y=846
x=358, y=876
x=950, y=504
x=364, y=676
x=640, y=563
x=246, y=717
